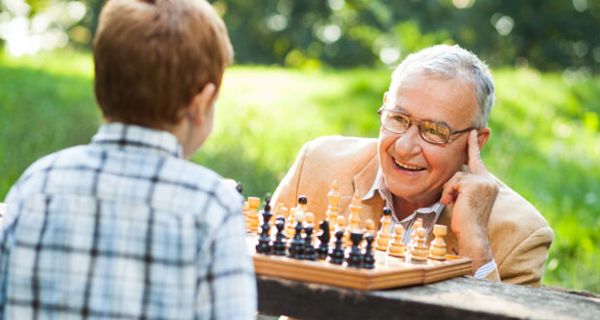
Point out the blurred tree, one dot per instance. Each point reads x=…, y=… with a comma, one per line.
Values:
x=554, y=35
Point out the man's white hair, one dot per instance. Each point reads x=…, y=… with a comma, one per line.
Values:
x=449, y=62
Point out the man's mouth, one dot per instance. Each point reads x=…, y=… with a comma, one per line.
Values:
x=407, y=167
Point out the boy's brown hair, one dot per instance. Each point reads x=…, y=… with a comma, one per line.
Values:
x=152, y=57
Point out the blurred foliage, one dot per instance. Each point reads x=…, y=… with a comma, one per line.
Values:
x=545, y=134
x=547, y=35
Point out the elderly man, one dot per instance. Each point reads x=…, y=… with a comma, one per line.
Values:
x=426, y=164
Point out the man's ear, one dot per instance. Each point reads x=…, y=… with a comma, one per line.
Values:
x=202, y=103
x=482, y=136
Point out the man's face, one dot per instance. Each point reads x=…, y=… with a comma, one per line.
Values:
x=415, y=170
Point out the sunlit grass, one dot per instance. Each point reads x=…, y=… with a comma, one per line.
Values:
x=545, y=138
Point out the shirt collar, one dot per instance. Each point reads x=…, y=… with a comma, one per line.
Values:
x=123, y=136
x=380, y=188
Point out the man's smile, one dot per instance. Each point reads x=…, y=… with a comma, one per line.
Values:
x=406, y=166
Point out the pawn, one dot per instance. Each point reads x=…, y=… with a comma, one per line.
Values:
x=413, y=236
x=253, y=220
x=279, y=245
x=302, y=202
x=309, y=250
x=337, y=254
x=291, y=223
x=396, y=247
x=384, y=235
x=419, y=252
x=369, y=226
x=340, y=224
x=355, y=258
x=437, y=250
x=369, y=257
x=323, y=248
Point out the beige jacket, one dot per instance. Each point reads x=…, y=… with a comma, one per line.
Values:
x=519, y=235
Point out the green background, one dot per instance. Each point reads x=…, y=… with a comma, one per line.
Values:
x=545, y=134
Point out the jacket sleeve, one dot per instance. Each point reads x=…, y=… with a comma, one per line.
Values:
x=525, y=263
x=287, y=190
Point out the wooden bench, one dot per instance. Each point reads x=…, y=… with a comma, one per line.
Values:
x=458, y=298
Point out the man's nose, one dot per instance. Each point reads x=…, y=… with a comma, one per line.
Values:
x=409, y=143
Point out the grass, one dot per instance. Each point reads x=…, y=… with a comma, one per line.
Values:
x=546, y=135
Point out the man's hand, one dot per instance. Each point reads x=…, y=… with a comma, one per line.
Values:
x=472, y=195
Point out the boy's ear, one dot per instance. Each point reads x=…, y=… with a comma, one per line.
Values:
x=202, y=103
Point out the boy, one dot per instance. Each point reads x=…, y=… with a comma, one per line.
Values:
x=124, y=227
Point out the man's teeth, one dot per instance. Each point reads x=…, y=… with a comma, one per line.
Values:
x=407, y=167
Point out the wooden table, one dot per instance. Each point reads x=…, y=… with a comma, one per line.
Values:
x=458, y=298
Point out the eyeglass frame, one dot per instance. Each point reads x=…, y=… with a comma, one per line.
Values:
x=412, y=121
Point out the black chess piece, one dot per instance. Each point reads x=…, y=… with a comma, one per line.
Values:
x=279, y=245
x=369, y=257
x=324, y=238
x=302, y=199
x=296, y=247
x=355, y=257
x=337, y=253
x=387, y=211
x=264, y=238
x=309, y=249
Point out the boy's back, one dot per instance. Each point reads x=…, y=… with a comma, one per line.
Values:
x=124, y=228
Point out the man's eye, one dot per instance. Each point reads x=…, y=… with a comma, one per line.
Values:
x=436, y=130
x=400, y=119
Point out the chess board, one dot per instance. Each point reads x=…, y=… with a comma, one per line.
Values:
x=389, y=272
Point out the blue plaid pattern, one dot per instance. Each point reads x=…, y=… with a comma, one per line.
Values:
x=124, y=228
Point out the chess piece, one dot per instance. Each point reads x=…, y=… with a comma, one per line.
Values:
x=323, y=248
x=341, y=225
x=384, y=235
x=246, y=212
x=279, y=245
x=309, y=250
x=296, y=247
x=253, y=220
x=302, y=202
x=369, y=257
x=413, y=235
x=355, y=208
x=396, y=247
x=264, y=239
x=437, y=250
x=355, y=257
x=333, y=198
x=369, y=226
x=337, y=254
x=291, y=223
x=419, y=252
x=309, y=219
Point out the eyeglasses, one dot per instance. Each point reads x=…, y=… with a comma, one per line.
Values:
x=430, y=131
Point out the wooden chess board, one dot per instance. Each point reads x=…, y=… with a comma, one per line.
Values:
x=389, y=272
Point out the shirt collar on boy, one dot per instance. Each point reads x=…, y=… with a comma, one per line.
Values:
x=127, y=136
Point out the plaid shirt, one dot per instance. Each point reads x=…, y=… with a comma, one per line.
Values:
x=124, y=228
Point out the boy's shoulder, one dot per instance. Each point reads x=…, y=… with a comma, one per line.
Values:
x=202, y=180
x=47, y=162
